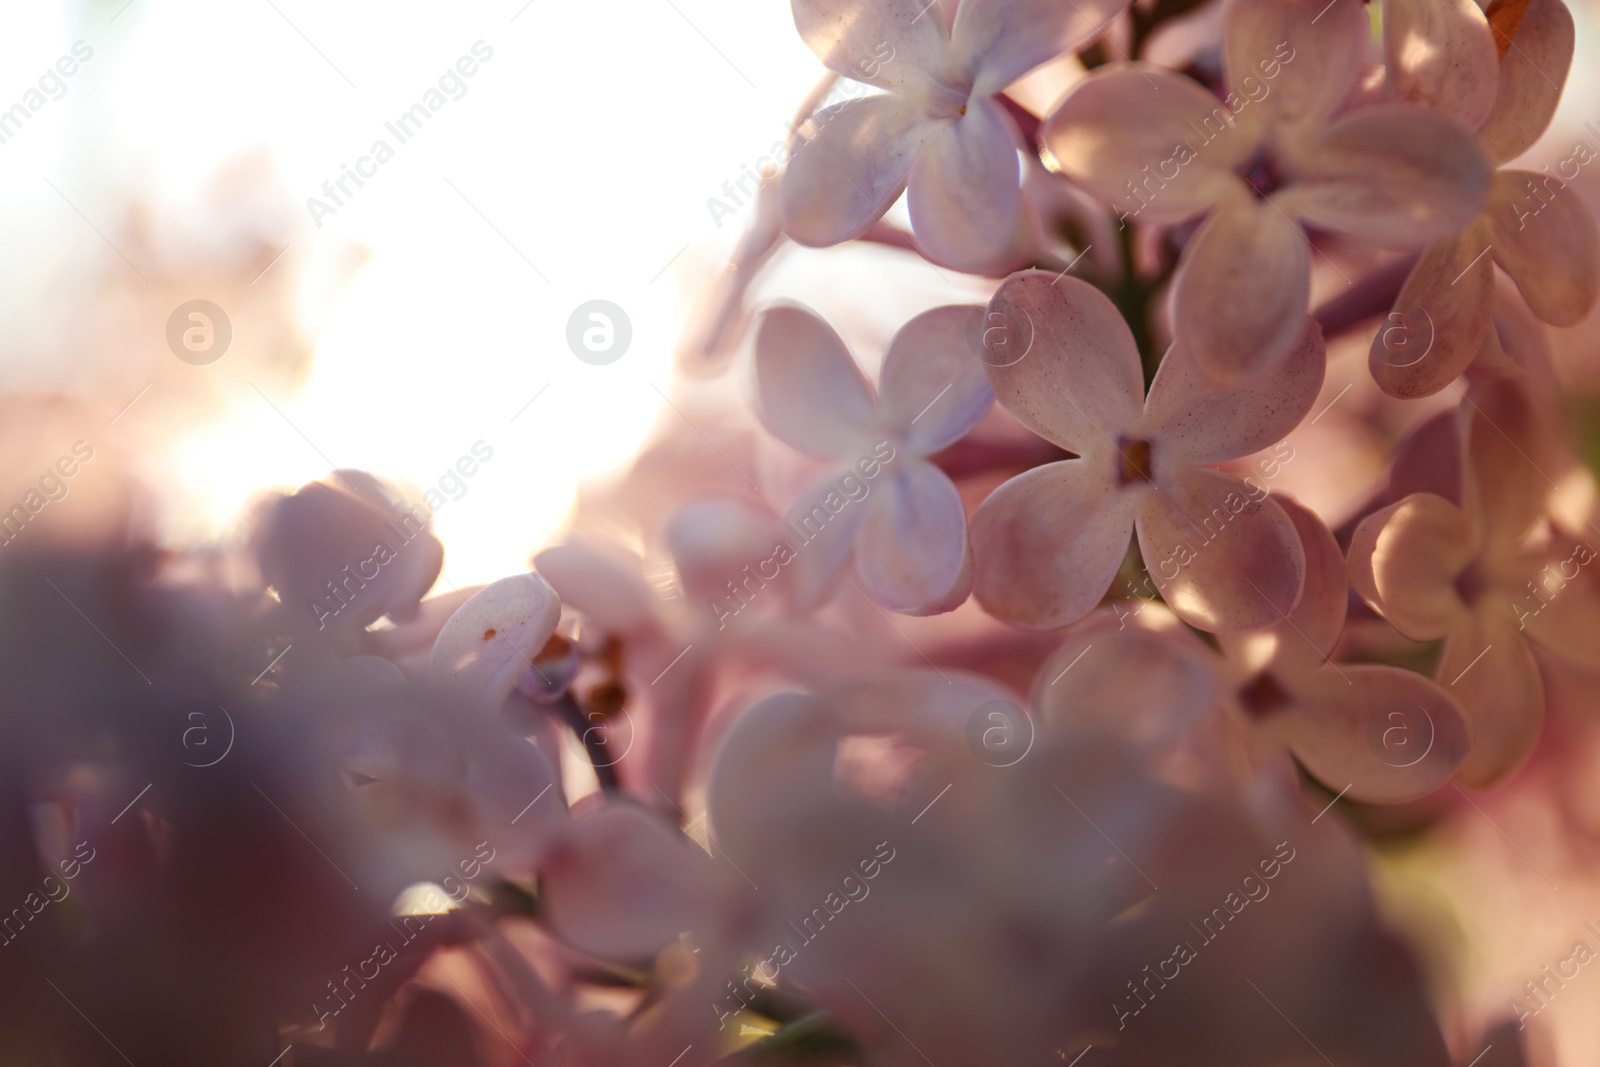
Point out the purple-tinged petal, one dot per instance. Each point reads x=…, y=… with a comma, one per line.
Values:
x=809, y=393
x=911, y=549
x=821, y=528
x=842, y=180
x=1151, y=143
x=1062, y=361
x=1223, y=554
x=1306, y=54
x=1193, y=418
x=1047, y=543
x=1390, y=174
x=964, y=190
x=999, y=41
x=1240, y=298
x=887, y=43
x=932, y=388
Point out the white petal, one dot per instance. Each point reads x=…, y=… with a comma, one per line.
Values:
x=492, y=638
x=1001, y=40
x=1153, y=144
x=809, y=392
x=1240, y=299
x=1390, y=174
x=964, y=192
x=911, y=550
x=932, y=388
x=887, y=43
x=842, y=180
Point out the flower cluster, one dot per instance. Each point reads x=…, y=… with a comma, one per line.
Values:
x=979, y=687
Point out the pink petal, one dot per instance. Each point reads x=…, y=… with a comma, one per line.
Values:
x=1404, y=561
x=809, y=393
x=621, y=884
x=1001, y=40
x=1561, y=610
x=1490, y=670
x=887, y=43
x=964, y=190
x=1315, y=48
x=778, y=754
x=1061, y=360
x=1200, y=420
x=1394, y=175
x=1149, y=142
x=1047, y=543
x=343, y=552
x=1138, y=675
x=712, y=541
x=1441, y=318
x=1533, y=69
x=491, y=639
x=1510, y=453
x=911, y=550
x=604, y=583
x=931, y=707
x=932, y=388
x=842, y=180
x=1441, y=56
x=1385, y=734
x=1246, y=246
x=1306, y=638
x=1224, y=555
x=822, y=524
x=1545, y=239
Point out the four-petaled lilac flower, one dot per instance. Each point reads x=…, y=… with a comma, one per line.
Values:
x=908, y=527
x=1049, y=541
x=1276, y=152
x=936, y=130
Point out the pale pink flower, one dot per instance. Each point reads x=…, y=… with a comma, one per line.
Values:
x=1277, y=152
x=670, y=651
x=885, y=504
x=343, y=552
x=1534, y=226
x=1488, y=575
x=937, y=131
x=1375, y=733
x=1049, y=542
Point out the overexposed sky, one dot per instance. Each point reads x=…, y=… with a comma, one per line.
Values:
x=573, y=164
